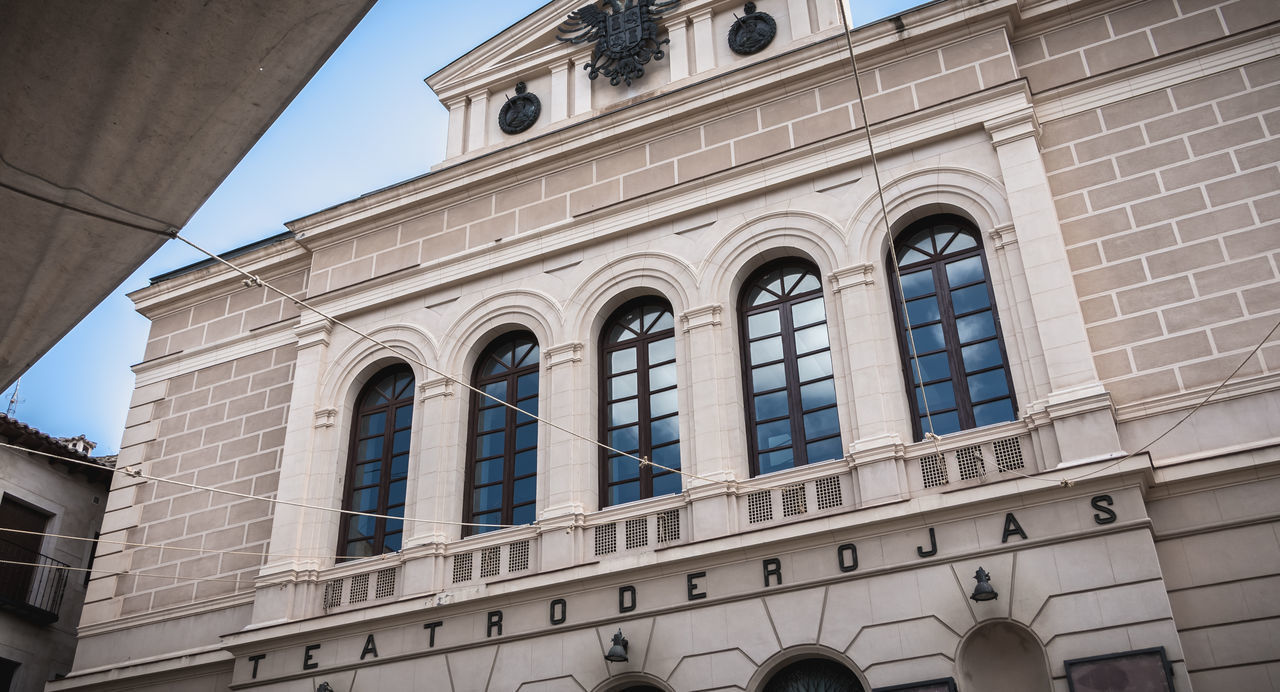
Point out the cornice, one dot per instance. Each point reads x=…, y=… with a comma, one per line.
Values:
x=278, y=258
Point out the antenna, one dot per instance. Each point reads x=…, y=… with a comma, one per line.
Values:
x=13, y=400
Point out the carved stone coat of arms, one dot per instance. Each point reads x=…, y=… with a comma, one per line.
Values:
x=625, y=36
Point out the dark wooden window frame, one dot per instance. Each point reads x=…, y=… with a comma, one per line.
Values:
x=795, y=409
x=952, y=346
x=643, y=392
x=384, y=479
x=509, y=441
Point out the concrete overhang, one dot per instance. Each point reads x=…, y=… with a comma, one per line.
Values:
x=117, y=120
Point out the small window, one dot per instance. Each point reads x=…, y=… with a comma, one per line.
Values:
x=953, y=354
x=378, y=464
x=638, y=403
x=786, y=358
x=503, y=447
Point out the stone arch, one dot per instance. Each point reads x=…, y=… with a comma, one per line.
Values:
x=348, y=371
x=924, y=192
x=1003, y=656
x=773, y=235
x=631, y=276
x=632, y=682
x=793, y=655
x=516, y=309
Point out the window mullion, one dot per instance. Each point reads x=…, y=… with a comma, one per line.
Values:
x=509, y=452
x=951, y=335
x=799, y=456
x=644, y=419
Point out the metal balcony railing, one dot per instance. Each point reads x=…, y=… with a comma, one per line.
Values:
x=32, y=590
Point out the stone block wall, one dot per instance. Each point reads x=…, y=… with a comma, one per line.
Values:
x=227, y=316
x=1168, y=202
x=221, y=427
x=1131, y=34
x=802, y=115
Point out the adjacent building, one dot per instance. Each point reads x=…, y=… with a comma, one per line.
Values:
x=910, y=421
x=50, y=510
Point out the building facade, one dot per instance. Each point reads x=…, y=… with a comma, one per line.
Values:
x=45, y=504
x=887, y=426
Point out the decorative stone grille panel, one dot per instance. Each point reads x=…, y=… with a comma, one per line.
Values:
x=490, y=561
x=359, y=589
x=518, y=556
x=462, y=563
x=970, y=461
x=606, y=539
x=668, y=526
x=759, y=507
x=385, y=584
x=793, y=502
x=933, y=470
x=637, y=533
x=1008, y=454
x=829, y=493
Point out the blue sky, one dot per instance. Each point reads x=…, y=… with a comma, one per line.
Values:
x=365, y=121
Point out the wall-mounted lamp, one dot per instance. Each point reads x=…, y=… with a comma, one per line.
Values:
x=324, y=687
x=617, y=652
x=983, y=591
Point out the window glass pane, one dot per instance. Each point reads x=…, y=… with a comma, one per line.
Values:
x=909, y=257
x=941, y=397
x=668, y=456
x=526, y=355
x=487, y=498
x=768, y=377
x=624, y=412
x=975, y=327
x=492, y=366
x=821, y=423
x=927, y=338
x=489, y=471
x=490, y=518
x=526, y=514
x=527, y=385
x=663, y=431
x=664, y=322
x=943, y=423
x=400, y=442
x=372, y=424
x=365, y=500
x=808, y=312
x=666, y=484
x=811, y=339
x=526, y=462
x=491, y=444
x=759, y=297
x=662, y=376
x=622, y=386
x=400, y=466
x=525, y=490
x=625, y=439
x=987, y=385
x=776, y=461
x=661, y=351
x=530, y=408
x=763, y=324
x=766, y=350
x=623, y=468
x=391, y=543
x=980, y=356
x=404, y=416
x=362, y=548
x=775, y=434
x=395, y=496
x=962, y=241
x=624, y=492
x=621, y=360
x=771, y=405
x=830, y=448
x=965, y=271
x=817, y=394
x=917, y=283
x=367, y=474
x=492, y=418
x=922, y=310
x=370, y=449
x=662, y=403
x=498, y=390
x=808, y=282
x=969, y=299
x=526, y=435
x=814, y=366
x=931, y=367
x=995, y=412
x=360, y=527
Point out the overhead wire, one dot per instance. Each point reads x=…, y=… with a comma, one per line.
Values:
x=124, y=573
x=219, y=551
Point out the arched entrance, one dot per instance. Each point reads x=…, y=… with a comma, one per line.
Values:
x=813, y=675
x=1003, y=657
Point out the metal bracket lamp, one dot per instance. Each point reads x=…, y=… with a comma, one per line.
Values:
x=983, y=591
x=617, y=652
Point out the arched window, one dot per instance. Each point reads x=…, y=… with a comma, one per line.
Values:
x=378, y=464
x=790, y=391
x=503, y=447
x=958, y=351
x=638, y=402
